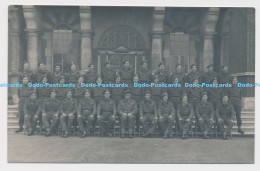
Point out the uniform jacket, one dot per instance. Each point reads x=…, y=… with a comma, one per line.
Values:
x=87, y=106
x=68, y=106
x=166, y=109
x=148, y=107
x=127, y=106
x=106, y=107
x=204, y=110
x=185, y=112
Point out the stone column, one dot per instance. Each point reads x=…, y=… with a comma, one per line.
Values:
x=157, y=31
x=86, y=37
x=32, y=48
x=224, y=49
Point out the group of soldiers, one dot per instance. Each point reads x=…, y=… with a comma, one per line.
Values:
x=149, y=107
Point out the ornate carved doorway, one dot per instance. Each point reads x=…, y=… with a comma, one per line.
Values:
x=120, y=43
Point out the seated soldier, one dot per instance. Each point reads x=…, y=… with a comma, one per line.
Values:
x=225, y=114
x=205, y=115
x=106, y=112
x=50, y=113
x=166, y=114
x=184, y=115
x=32, y=111
x=68, y=109
x=148, y=113
x=86, y=112
x=127, y=110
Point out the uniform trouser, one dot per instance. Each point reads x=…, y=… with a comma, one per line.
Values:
x=106, y=123
x=89, y=123
x=237, y=109
x=46, y=121
x=184, y=125
x=205, y=125
x=30, y=121
x=228, y=123
x=127, y=120
x=149, y=118
x=21, y=110
x=66, y=122
x=165, y=125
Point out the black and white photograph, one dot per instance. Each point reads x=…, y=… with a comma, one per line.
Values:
x=130, y=84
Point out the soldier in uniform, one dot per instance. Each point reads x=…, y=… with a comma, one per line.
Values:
x=162, y=74
x=25, y=72
x=23, y=94
x=56, y=74
x=73, y=75
x=42, y=72
x=136, y=92
x=61, y=91
x=148, y=113
x=194, y=73
x=43, y=92
x=91, y=75
x=78, y=90
x=208, y=76
x=194, y=94
x=179, y=74
x=235, y=96
x=106, y=113
x=224, y=77
x=68, y=109
x=98, y=91
x=145, y=75
x=205, y=115
x=86, y=112
x=108, y=75
x=126, y=73
x=127, y=110
x=117, y=92
x=225, y=114
x=50, y=112
x=166, y=115
x=156, y=92
x=214, y=94
x=175, y=93
x=184, y=115
x=32, y=111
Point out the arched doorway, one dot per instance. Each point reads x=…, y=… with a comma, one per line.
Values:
x=120, y=43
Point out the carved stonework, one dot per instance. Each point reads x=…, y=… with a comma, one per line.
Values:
x=121, y=36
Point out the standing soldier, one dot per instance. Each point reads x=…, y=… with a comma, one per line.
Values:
x=194, y=73
x=32, y=111
x=73, y=75
x=162, y=74
x=23, y=94
x=145, y=75
x=61, y=91
x=78, y=90
x=127, y=110
x=108, y=75
x=136, y=92
x=156, y=92
x=106, y=113
x=126, y=73
x=194, y=94
x=148, y=113
x=214, y=94
x=91, y=75
x=235, y=96
x=98, y=91
x=205, y=115
x=25, y=72
x=184, y=115
x=224, y=77
x=43, y=92
x=117, y=92
x=166, y=115
x=50, y=112
x=208, y=76
x=42, y=72
x=56, y=74
x=225, y=114
x=86, y=112
x=175, y=93
x=179, y=74
x=68, y=109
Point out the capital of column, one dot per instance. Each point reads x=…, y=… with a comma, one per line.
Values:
x=209, y=35
x=157, y=34
x=86, y=33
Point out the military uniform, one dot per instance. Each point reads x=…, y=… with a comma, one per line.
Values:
x=90, y=77
x=98, y=93
x=107, y=111
x=26, y=73
x=235, y=97
x=78, y=92
x=72, y=77
x=224, y=77
x=68, y=106
x=214, y=96
x=136, y=93
x=23, y=94
x=185, y=112
x=86, y=112
x=42, y=73
x=166, y=115
x=117, y=94
x=179, y=75
x=50, y=111
x=61, y=92
x=145, y=76
x=205, y=115
x=148, y=112
x=127, y=106
x=194, y=95
x=108, y=76
x=43, y=93
x=208, y=77
x=190, y=77
x=32, y=111
x=126, y=75
x=156, y=93
x=56, y=77
x=226, y=113
x=163, y=76
x=175, y=94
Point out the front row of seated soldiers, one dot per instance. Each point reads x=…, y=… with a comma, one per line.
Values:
x=53, y=110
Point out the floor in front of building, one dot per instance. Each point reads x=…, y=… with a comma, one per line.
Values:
x=54, y=149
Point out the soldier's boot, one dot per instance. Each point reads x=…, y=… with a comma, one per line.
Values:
x=205, y=135
x=84, y=134
x=165, y=136
x=239, y=130
x=30, y=131
x=66, y=134
x=224, y=135
x=48, y=133
x=20, y=129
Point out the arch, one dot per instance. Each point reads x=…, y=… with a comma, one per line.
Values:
x=180, y=28
x=121, y=36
